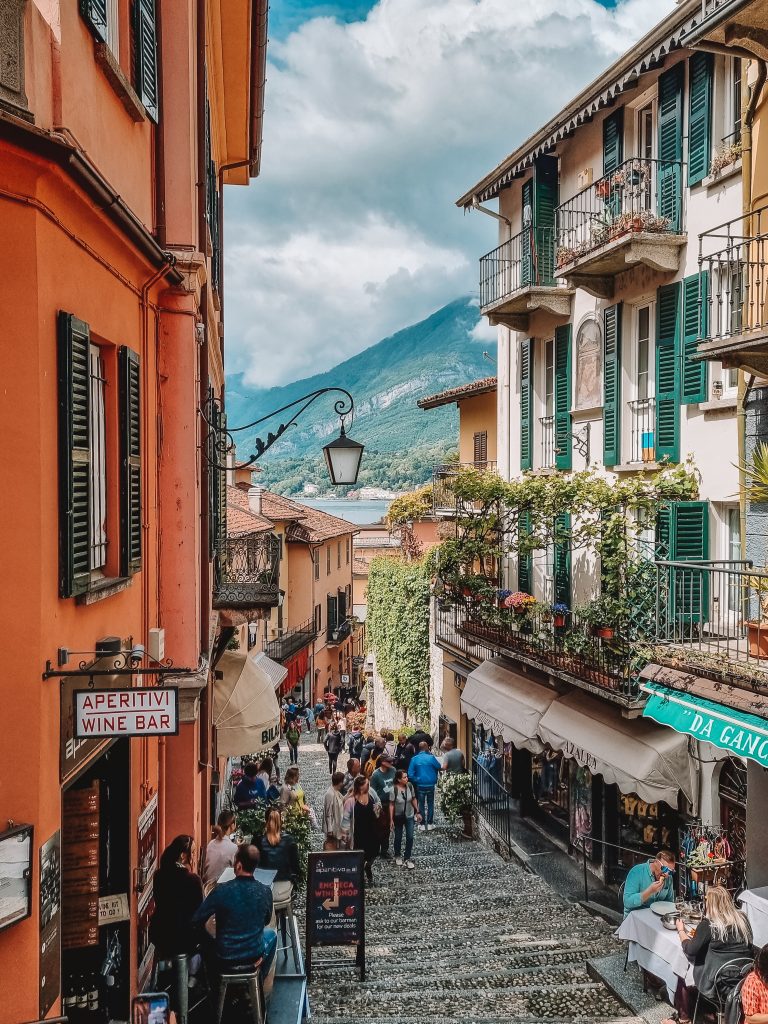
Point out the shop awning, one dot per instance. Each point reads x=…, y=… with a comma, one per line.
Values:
x=245, y=709
x=507, y=703
x=735, y=731
x=634, y=755
x=273, y=669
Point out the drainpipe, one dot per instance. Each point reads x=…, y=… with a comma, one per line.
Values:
x=491, y=213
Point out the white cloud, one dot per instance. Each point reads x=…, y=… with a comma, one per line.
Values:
x=483, y=332
x=372, y=129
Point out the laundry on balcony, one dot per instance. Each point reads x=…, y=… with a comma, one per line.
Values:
x=507, y=703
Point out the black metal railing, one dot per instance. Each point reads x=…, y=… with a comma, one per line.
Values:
x=714, y=615
x=642, y=430
x=291, y=642
x=640, y=196
x=338, y=634
x=492, y=803
x=733, y=297
x=547, y=424
x=524, y=261
x=247, y=572
x=449, y=635
x=443, y=477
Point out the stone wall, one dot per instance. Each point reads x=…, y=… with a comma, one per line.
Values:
x=383, y=714
x=757, y=515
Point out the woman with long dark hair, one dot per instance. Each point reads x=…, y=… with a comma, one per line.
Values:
x=178, y=892
x=360, y=825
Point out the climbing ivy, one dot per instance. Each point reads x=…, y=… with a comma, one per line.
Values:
x=397, y=628
x=408, y=507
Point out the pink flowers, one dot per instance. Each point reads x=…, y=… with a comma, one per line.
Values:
x=519, y=602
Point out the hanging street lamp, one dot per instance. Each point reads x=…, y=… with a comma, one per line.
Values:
x=342, y=457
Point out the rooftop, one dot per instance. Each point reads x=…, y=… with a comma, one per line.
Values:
x=309, y=525
x=240, y=519
x=475, y=387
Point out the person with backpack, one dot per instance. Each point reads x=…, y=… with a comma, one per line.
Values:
x=425, y=771
x=292, y=737
x=405, y=814
x=356, y=744
x=333, y=745
x=372, y=751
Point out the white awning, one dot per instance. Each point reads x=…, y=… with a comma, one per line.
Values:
x=245, y=709
x=506, y=702
x=276, y=672
x=635, y=755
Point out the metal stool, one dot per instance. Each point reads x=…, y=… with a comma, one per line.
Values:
x=284, y=913
x=177, y=967
x=250, y=980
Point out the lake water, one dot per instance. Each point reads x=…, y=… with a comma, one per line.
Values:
x=361, y=513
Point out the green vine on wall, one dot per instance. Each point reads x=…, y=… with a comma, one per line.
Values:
x=397, y=628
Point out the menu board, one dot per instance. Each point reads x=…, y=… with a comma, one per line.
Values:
x=80, y=867
x=15, y=874
x=147, y=857
x=336, y=903
x=50, y=922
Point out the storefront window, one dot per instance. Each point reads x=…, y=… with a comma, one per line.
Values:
x=581, y=808
x=645, y=828
x=733, y=818
x=549, y=777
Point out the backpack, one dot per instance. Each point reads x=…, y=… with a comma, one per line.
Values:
x=370, y=765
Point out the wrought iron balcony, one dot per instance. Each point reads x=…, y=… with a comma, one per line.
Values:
x=517, y=278
x=443, y=477
x=713, y=619
x=247, y=573
x=338, y=634
x=642, y=430
x=634, y=215
x=733, y=293
x=291, y=641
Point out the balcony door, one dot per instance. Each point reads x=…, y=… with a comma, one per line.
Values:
x=646, y=150
x=641, y=405
x=547, y=419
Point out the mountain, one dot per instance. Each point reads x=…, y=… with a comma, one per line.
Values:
x=402, y=441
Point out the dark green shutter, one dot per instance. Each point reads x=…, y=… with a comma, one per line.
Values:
x=689, y=535
x=332, y=612
x=562, y=567
x=563, y=454
x=663, y=533
x=612, y=385
x=694, y=371
x=526, y=403
x=700, y=71
x=94, y=13
x=221, y=488
x=130, y=461
x=526, y=249
x=613, y=141
x=669, y=186
x=74, y=455
x=524, y=564
x=668, y=372
x=342, y=606
x=145, y=43
x=545, y=175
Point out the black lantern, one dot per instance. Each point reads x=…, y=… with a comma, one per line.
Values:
x=342, y=457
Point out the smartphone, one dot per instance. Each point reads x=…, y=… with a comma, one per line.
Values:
x=151, y=1008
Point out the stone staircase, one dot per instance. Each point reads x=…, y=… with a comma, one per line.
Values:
x=464, y=937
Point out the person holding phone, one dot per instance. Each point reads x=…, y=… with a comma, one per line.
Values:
x=178, y=892
x=650, y=882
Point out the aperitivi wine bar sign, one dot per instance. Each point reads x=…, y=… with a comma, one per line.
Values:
x=150, y=711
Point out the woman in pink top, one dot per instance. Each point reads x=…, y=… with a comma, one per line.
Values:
x=220, y=852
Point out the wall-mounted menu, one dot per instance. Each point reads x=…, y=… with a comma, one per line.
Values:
x=80, y=867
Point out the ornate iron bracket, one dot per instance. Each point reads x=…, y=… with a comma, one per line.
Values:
x=123, y=664
x=581, y=442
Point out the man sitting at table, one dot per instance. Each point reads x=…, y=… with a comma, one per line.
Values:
x=650, y=882
x=243, y=908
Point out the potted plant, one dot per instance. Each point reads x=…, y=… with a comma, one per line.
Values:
x=602, y=616
x=559, y=612
x=456, y=799
x=757, y=631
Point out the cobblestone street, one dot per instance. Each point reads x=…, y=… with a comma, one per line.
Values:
x=464, y=937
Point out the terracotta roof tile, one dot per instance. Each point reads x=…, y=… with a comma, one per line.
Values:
x=359, y=565
x=240, y=518
x=475, y=387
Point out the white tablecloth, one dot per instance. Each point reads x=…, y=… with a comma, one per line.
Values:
x=754, y=903
x=655, y=948
x=264, y=875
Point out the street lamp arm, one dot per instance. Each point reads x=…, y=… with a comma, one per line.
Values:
x=342, y=407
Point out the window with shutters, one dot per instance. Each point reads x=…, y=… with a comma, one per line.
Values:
x=98, y=463
x=667, y=427
x=338, y=555
x=700, y=80
x=640, y=409
x=547, y=420
x=733, y=101
x=144, y=50
x=480, y=448
x=526, y=403
x=327, y=559
x=348, y=545
x=316, y=560
x=318, y=618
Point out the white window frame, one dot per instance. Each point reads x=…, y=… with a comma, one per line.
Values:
x=546, y=352
x=641, y=108
x=98, y=463
x=630, y=362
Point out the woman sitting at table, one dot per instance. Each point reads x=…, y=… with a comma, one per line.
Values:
x=722, y=935
x=279, y=852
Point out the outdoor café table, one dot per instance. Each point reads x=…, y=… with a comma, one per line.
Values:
x=656, y=949
x=754, y=903
x=264, y=875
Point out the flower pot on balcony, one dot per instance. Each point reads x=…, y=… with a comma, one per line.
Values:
x=558, y=621
x=603, y=632
x=757, y=639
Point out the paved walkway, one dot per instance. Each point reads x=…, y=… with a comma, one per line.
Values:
x=465, y=937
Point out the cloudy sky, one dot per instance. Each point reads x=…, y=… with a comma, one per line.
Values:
x=378, y=116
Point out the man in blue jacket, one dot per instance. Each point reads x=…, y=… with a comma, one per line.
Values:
x=250, y=790
x=424, y=771
x=650, y=882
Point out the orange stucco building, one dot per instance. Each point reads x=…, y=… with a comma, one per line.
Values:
x=119, y=125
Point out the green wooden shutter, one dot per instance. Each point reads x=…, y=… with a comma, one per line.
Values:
x=74, y=455
x=526, y=403
x=221, y=488
x=145, y=46
x=545, y=181
x=130, y=461
x=667, y=441
x=669, y=181
x=694, y=371
x=341, y=606
x=563, y=440
x=612, y=385
x=613, y=141
x=700, y=72
x=332, y=613
x=524, y=563
x=526, y=249
x=689, y=536
x=562, y=567
x=94, y=13
x=663, y=533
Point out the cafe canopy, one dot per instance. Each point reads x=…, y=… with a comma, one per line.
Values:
x=507, y=703
x=245, y=709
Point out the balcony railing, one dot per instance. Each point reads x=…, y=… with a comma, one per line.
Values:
x=525, y=261
x=247, y=573
x=640, y=197
x=493, y=803
x=547, y=424
x=448, y=634
x=715, y=616
x=443, y=476
x=338, y=634
x=642, y=430
x=291, y=642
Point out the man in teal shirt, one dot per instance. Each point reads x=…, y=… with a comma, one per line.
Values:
x=650, y=882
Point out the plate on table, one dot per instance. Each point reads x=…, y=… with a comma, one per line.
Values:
x=663, y=907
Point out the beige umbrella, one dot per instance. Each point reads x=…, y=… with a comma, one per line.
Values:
x=245, y=709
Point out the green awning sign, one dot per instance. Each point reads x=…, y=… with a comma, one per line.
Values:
x=735, y=731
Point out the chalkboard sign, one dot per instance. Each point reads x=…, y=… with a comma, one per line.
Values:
x=336, y=903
